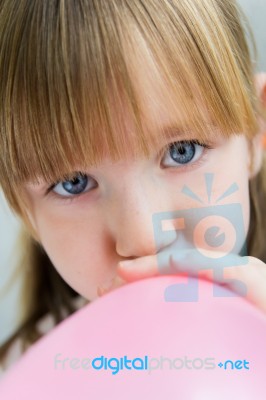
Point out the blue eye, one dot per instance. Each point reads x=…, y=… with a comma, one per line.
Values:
x=74, y=186
x=183, y=152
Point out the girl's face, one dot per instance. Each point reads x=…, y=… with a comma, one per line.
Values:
x=104, y=216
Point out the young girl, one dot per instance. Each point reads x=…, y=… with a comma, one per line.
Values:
x=111, y=113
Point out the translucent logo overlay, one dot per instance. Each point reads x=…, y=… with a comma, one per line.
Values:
x=209, y=237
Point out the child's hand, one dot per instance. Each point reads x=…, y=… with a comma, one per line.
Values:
x=251, y=272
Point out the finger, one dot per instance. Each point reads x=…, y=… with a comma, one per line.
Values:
x=167, y=262
x=229, y=270
x=188, y=262
x=143, y=267
x=164, y=262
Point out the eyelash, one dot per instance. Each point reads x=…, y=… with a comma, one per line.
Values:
x=49, y=191
x=187, y=167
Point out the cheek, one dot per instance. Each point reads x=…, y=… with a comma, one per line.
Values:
x=221, y=228
x=78, y=248
x=231, y=185
x=218, y=197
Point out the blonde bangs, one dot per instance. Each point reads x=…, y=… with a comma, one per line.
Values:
x=69, y=84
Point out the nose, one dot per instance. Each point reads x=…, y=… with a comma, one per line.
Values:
x=131, y=221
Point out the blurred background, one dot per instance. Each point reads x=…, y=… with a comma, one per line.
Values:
x=255, y=10
x=9, y=226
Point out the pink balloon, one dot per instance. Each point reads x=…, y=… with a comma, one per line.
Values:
x=168, y=349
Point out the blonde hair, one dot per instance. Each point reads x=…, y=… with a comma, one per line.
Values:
x=65, y=64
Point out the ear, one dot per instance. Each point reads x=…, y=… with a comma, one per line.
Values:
x=258, y=143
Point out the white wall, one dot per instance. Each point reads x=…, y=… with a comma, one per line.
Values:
x=256, y=12
x=9, y=229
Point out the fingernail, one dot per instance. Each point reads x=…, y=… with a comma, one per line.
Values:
x=126, y=264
